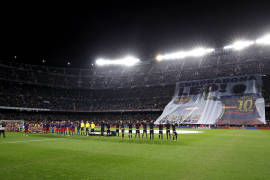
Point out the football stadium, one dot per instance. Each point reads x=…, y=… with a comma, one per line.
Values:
x=200, y=112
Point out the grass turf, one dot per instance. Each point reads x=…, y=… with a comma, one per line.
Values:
x=214, y=154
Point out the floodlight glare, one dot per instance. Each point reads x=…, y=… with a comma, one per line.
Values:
x=127, y=61
x=265, y=40
x=239, y=45
x=197, y=52
x=159, y=58
x=200, y=52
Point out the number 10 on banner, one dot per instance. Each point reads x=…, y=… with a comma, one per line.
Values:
x=245, y=105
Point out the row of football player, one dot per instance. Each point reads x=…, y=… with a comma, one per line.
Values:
x=68, y=128
x=121, y=125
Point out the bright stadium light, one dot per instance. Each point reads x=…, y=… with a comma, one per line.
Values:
x=239, y=45
x=197, y=52
x=200, y=52
x=159, y=57
x=265, y=40
x=127, y=61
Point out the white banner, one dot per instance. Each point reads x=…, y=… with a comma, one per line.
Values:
x=235, y=100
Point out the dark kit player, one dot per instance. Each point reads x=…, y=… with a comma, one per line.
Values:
x=174, y=131
x=137, y=125
x=78, y=128
x=160, y=132
x=168, y=130
x=151, y=130
x=144, y=129
x=123, y=129
x=130, y=129
x=102, y=127
x=108, y=129
x=117, y=126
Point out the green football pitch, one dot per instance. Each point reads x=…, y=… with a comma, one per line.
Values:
x=213, y=154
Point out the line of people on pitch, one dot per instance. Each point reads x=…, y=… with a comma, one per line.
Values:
x=68, y=128
x=63, y=128
x=121, y=125
x=87, y=126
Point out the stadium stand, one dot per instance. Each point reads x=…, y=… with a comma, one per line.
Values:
x=111, y=117
x=144, y=89
x=32, y=96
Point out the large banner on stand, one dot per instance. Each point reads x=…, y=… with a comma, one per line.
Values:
x=234, y=100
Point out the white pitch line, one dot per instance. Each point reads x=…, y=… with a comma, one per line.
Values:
x=14, y=142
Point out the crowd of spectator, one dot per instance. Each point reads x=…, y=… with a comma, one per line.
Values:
x=14, y=94
x=147, y=86
x=97, y=118
x=91, y=117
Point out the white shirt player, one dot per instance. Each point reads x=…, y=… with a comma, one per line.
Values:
x=1, y=127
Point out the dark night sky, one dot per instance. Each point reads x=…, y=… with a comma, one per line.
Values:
x=82, y=32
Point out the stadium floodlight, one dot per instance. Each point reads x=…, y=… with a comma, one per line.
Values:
x=239, y=45
x=126, y=61
x=197, y=52
x=265, y=40
x=159, y=57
